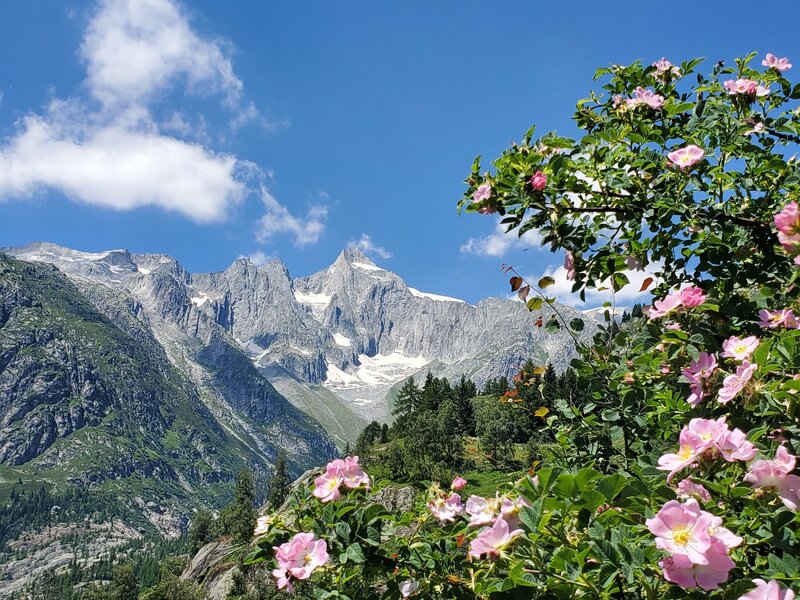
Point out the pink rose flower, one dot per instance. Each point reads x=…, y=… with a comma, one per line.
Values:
x=771, y=590
x=739, y=348
x=665, y=306
x=644, y=97
x=745, y=87
x=734, y=446
x=262, y=525
x=326, y=487
x=446, y=508
x=491, y=541
x=778, y=318
x=538, y=181
x=482, y=193
x=665, y=69
x=733, y=384
x=788, y=220
x=299, y=558
x=686, y=157
x=352, y=474
x=481, y=511
x=692, y=296
x=779, y=64
x=703, y=367
x=458, y=484
x=774, y=475
x=569, y=265
x=688, y=489
x=680, y=570
x=682, y=529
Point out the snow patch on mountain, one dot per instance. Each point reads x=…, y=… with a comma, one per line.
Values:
x=366, y=266
x=316, y=302
x=437, y=297
x=375, y=370
x=341, y=340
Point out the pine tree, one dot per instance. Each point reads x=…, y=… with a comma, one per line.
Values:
x=636, y=311
x=464, y=393
x=201, y=531
x=239, y=517
x=279, y=483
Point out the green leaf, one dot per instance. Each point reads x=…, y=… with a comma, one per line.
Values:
x=355, y=553
x=552, y=326
x=577, y=324
x=535, y=304
x=546, y=282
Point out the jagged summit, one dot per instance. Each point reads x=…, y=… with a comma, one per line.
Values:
x=353, y=328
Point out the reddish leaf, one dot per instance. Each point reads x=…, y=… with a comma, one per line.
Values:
x=523, y=292
x=646, y=284
x=516, y=283
x=539, y=322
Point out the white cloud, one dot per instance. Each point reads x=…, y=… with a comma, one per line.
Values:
x=367, y=246
x=277, y=219
x=627, y=296
x=135, y=49
x=120, y=168
x=499, y=242
x=258, y=258
x=108, y=149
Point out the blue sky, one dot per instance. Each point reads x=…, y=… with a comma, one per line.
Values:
x=209, y=130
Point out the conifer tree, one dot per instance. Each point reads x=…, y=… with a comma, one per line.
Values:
x=279, y=483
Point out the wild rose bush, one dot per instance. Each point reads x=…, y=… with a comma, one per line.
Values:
x=678, y=479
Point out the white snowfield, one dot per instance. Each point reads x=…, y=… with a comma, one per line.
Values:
x=375, y=370
x=316, y=302
x=437, y=297
x=366, y=266
x=342, y=340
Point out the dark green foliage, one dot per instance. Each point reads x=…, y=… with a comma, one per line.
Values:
x=495, y=387
x=238, y=519
x=201, y=530
x=124, y=583
x=279, y=483
x=636, y=311
x=408, y=399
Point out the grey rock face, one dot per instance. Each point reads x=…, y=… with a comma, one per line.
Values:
x=355, y=328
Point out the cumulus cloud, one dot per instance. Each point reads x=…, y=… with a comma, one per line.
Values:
x=368, y=246
x=277, y=219
x=627, y=296
x=499, y=242
x=106, y=148
x=120, y=168
x=135, y=49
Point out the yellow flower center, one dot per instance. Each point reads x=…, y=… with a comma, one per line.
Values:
x=685, y=452
x=681, y=535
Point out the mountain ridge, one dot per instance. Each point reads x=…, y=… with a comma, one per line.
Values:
x=353, y=328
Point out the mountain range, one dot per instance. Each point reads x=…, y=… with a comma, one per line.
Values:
x=127, y=374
